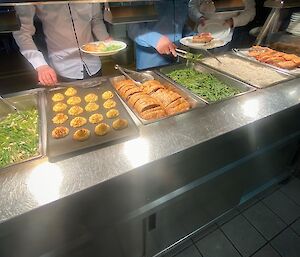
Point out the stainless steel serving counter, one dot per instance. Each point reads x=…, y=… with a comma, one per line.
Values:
x=88, y=178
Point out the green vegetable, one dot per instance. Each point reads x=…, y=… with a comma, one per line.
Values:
x=203, y=84
x=112, y=48
x=193, y=57
x=18, y=137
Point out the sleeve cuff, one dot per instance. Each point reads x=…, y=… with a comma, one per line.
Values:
x=153, y=38
x=36, y=58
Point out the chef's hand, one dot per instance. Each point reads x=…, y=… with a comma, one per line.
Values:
x=166, y=46
x=108, y=39
x=202, y=21
x=229, y=23
x=46, y=75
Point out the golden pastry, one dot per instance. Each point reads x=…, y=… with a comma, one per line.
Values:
x=89, y=98
x=95, y=118
x=78, y=122
x=109, y=104
x=58, y=97
x=60, y=132
x=71, y=91
x=120, y=124
x=81, y=134
x=75, y=110
x=102, y=129
x=73, y=100
x=59, y=107
x=59, y=118
x=112, y=113
x=90, y=107
x=107, y=95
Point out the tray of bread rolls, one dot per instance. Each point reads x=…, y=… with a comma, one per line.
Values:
x=279, y=61
x=81, y=118
x=155, y=99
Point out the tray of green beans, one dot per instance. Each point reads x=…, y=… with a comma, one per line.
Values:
x=20, y=131
x=209, y=85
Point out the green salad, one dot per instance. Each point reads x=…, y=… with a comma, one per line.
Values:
x=19, y=139
x=203, y=84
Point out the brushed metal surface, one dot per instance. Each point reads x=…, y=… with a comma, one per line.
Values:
x=28, y=186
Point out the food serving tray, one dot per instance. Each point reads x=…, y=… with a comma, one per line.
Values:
x=243, y=53
x=193, y=101
x=67, y=146
x=26, y=100
x=257, y=65
x=228, y=80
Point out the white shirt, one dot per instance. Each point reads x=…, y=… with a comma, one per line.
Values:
x=62, y=46
x=239, y=18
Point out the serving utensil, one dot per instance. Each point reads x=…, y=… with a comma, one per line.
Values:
x=183, y=54
x=8, y=103
x=137, y=77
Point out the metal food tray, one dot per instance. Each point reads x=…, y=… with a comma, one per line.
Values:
x=193, y=101
x=25, y=100
x=258, y=64
x=243, y=54
x=67, y=146
x=228, y=80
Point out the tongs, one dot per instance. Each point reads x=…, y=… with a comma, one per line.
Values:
x=8, y=103
x=183, y=53
x=137, y=77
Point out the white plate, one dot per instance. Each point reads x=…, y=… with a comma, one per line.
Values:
x=187, y=41
x=217, y=29
x=105, y=53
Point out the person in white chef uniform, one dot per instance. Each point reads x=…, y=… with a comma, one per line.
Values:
x=66, y=27
x=202, y=12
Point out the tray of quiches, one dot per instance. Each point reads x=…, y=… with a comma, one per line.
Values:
x=209, y=85
x=250, y=72
x=155, y=99
x=21, y=131
x=280, y=61
x=81, y=118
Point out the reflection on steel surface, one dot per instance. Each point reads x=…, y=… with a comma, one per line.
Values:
x=137, y=151
x=44, y=182
x=251, y=108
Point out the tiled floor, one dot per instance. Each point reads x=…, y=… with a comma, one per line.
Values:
x=267, y=226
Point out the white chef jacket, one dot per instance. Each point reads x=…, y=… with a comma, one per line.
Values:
x=64, y=55
x=241, y=18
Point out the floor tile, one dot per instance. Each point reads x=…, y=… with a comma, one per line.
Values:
x=296, y=226
x=248, y=204
x=204, y=232
x=227, y=217
x=243, y=235
x=266, y=251
x=216, y=244
x=292, y=190
x=285, y=208
x=189, y=252
x=287, y=243
x=264, y=220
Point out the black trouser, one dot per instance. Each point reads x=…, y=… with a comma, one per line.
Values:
x=85, y=76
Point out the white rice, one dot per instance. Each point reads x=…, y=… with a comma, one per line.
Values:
x=246, y=71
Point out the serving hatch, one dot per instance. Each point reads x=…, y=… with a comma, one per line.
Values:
x=237, y=86
x=68, y=145
x=193, y=101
